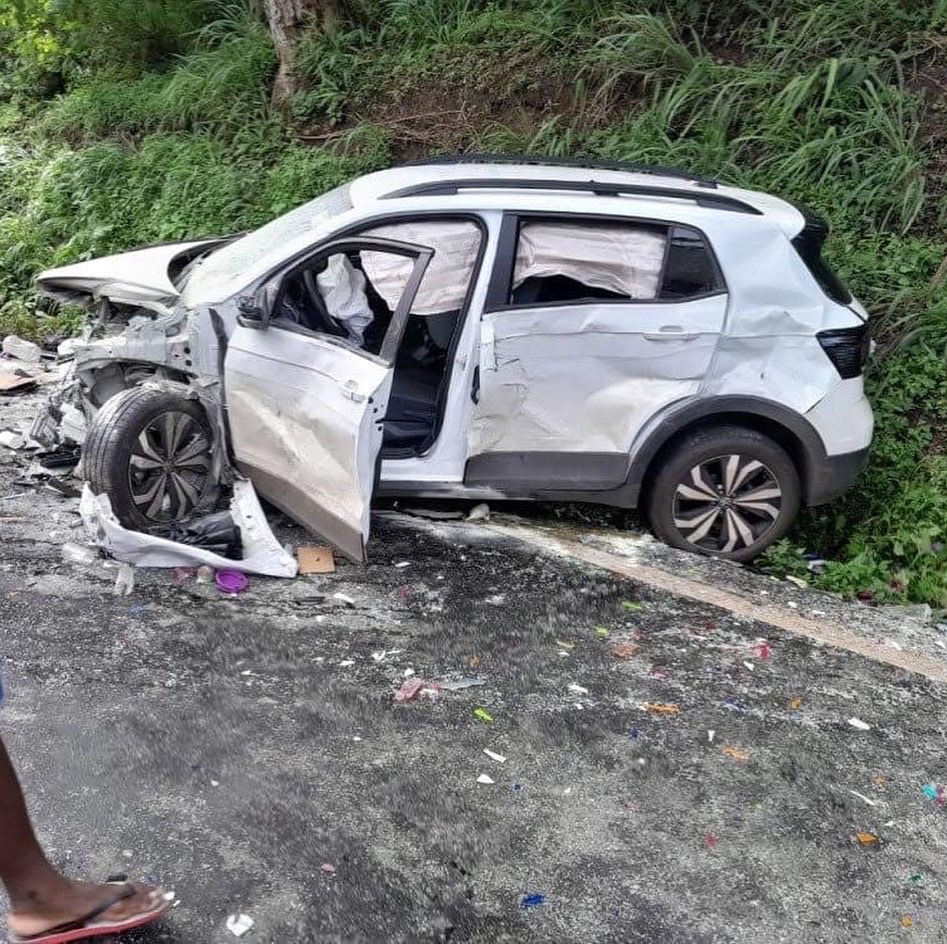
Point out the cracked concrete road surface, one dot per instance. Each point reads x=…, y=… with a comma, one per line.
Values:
x=680, y=762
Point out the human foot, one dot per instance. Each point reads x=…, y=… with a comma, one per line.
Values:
x=79, y=910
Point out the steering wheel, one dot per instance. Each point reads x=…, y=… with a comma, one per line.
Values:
x=324, y=321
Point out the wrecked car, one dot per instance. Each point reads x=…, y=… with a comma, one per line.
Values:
x=479, y=328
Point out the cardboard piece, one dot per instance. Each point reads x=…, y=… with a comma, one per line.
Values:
x=317, y=559
x=11, y=383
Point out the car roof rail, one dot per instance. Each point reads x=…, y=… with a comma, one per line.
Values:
x=581, y=163
x=439, y=188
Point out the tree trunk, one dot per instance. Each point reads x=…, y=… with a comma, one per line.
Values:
x=287, y=20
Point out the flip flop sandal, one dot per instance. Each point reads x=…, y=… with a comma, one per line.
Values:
x=86, y=927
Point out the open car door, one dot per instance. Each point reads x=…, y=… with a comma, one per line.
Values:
x=306, y=407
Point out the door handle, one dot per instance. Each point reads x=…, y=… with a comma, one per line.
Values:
x=670, y=333
x=350, y=389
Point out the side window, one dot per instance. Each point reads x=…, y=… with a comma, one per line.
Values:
x=335, y=294
x=559, y=261
x=690, y=269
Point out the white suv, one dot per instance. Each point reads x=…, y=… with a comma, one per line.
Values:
x=481, y=327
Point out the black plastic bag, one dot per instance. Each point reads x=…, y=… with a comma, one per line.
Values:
x=218, y=533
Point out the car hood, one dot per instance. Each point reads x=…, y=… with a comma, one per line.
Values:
x=141, y=277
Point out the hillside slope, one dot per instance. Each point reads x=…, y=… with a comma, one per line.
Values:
x=126, y=123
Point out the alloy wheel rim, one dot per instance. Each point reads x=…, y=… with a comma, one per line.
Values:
x=169, y=469
x=727, y=503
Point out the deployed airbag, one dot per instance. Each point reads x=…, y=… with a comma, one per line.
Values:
x=618, y=259
x=445, y=282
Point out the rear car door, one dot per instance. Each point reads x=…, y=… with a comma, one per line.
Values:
x=307, y=375
x=591, y=327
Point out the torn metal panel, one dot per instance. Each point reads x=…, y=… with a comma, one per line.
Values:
x=141, y=277
x=262, y=552
x=585, y=377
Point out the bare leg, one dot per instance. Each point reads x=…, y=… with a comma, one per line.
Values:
x=40, y=898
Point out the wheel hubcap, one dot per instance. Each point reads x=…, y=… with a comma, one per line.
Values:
x=169, y=468
x=727, y=503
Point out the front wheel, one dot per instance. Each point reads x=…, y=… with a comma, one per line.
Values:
x=151, y=452
x=727, y=491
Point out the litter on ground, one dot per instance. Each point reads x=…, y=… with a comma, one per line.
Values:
x=499, y=758
x=239, y=924
x=859, y=724
x=483, y=715
x=484, y=778
x=315, y=559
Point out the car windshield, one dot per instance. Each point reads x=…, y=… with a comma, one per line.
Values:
x=223, y=271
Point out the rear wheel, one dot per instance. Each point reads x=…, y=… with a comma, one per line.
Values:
x=726, y=491
x=151, y=452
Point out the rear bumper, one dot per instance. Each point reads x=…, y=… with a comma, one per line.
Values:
x=830, y=476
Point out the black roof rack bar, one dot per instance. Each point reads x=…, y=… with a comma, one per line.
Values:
x=539, y=160
x=439, y=188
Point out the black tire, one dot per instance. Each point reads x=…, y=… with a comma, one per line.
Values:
x=737, y=490
x=151, y=452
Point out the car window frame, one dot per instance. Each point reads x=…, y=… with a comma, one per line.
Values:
x=336, y=244
x=500, y=286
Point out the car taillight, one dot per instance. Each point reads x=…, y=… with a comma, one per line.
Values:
x=847, y=348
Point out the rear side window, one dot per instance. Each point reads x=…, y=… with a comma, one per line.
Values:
x=690, y=270
x=809, y=246
x=560, y=261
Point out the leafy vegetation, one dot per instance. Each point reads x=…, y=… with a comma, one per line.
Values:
x=126, y=122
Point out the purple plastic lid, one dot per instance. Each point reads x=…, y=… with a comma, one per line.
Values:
x=231, y=581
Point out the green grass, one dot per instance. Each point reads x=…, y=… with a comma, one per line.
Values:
x=164, y=131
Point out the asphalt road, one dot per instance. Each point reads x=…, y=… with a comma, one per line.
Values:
x=237, y=748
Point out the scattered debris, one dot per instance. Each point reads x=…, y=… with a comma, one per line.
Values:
x=382, y=654
x=433, y=514
x=867, y=839
x=344, y=598
x=345, y=663
x=479, y=512
x=21, y=349
x=710, y=735
x=328, y=868
x=624, y=650
x=659, y=708
x=711, y=840
x=862, y=797
x=493, y=755
x=239, y=924
x=124, y=581
x=577, y=689
x=11, y=440
x=907, y=921
x=408, y=672
x=498, y=599
x=632, y=606
x=528, y=902
x=797, y=581
x=205, y=573
x=737, y=753
x=316, y=559
x=458, y=685
x=602, y=632
x=78, y=553
x=413, y=687
x=859, y=724
x=795, y=704
x=16, y=383
x=935, y=792
x=483, y=778
x=731, y=704
x=402, y=564
x=763, y=650
x=231, y=581
x=483, y=715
